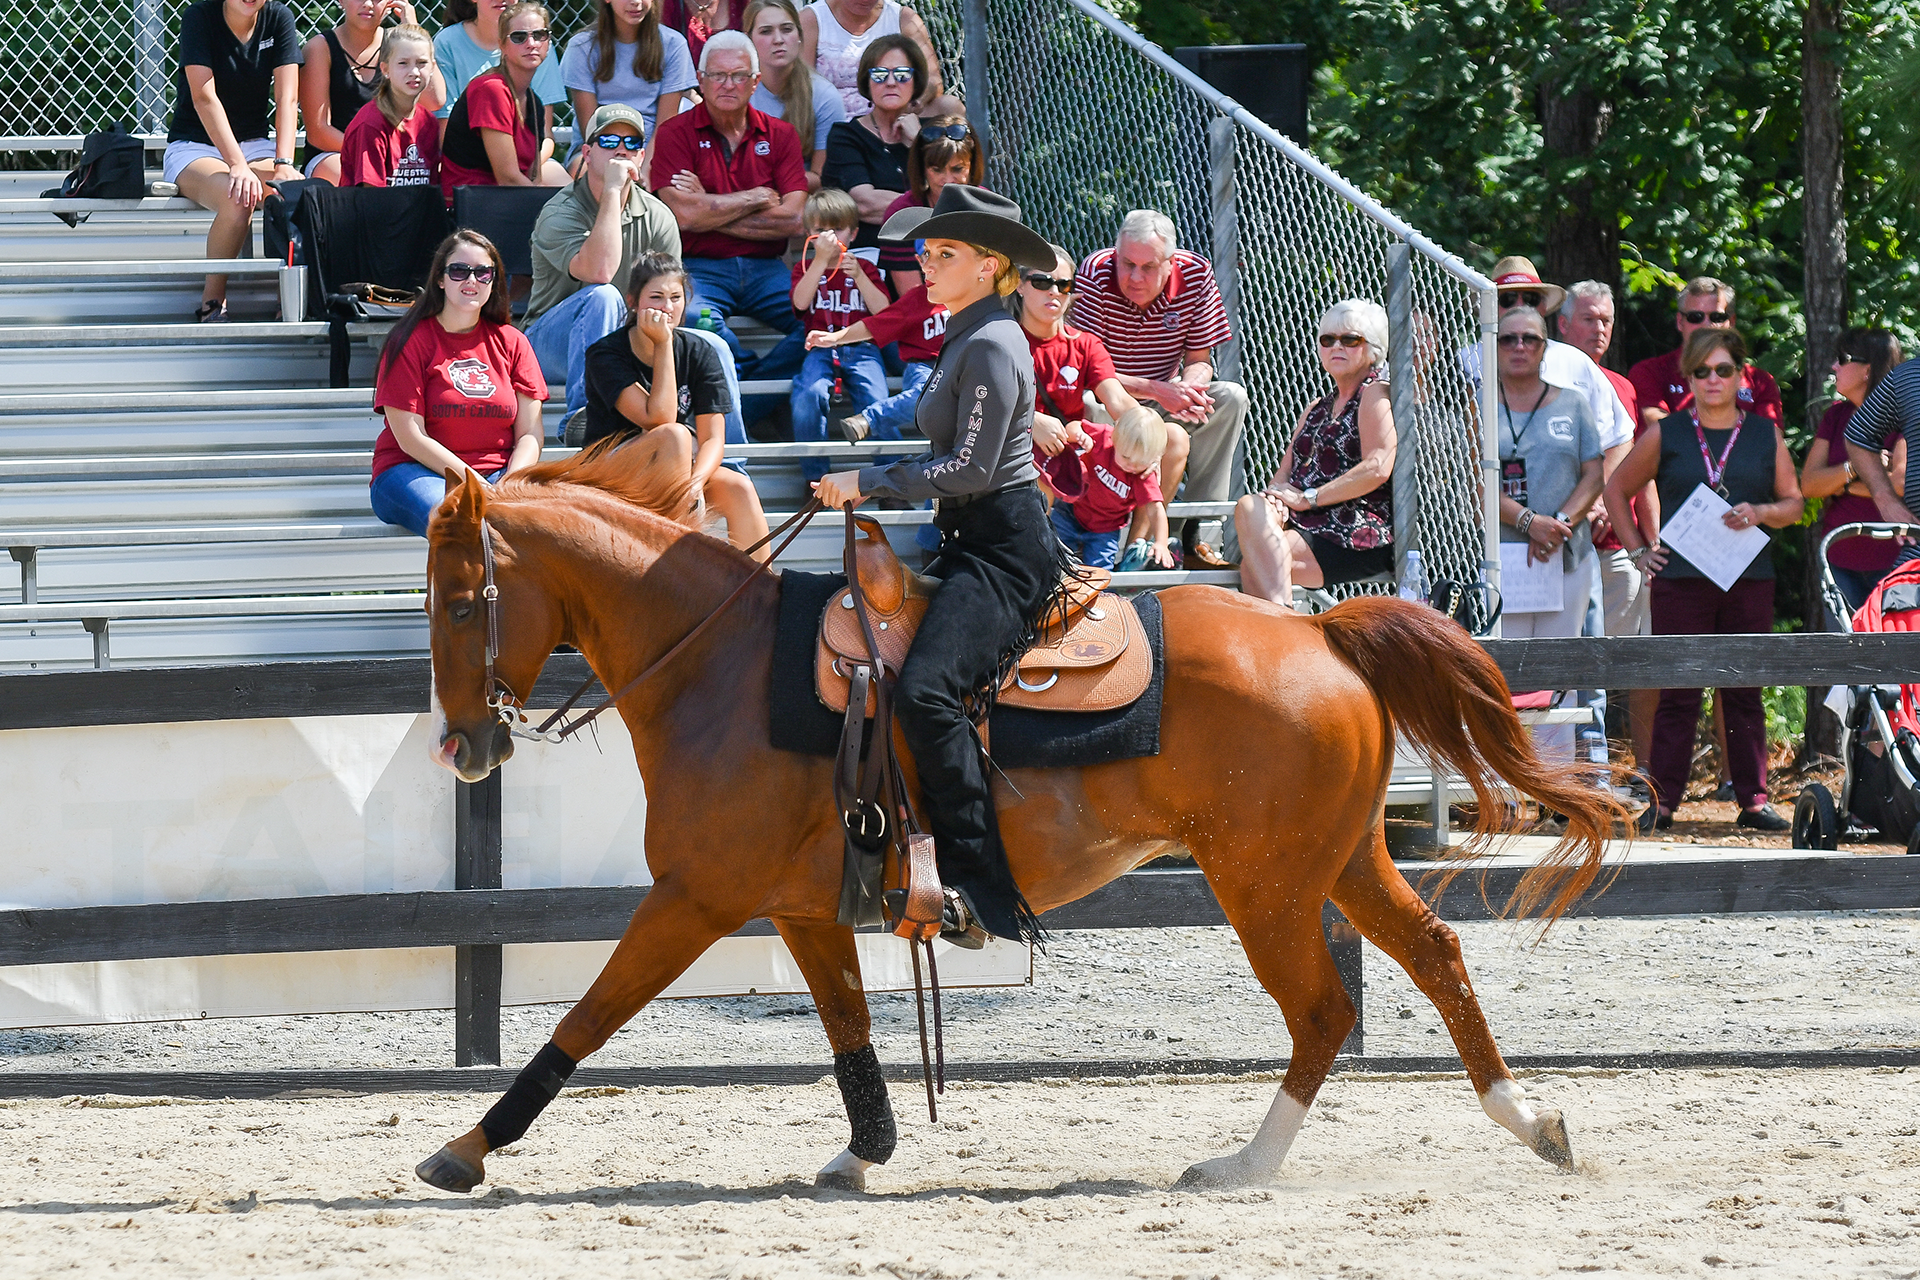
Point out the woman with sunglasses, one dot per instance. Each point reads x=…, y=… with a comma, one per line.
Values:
x=787, y=89
x=458, y=385
x=628, y=58
x=943, y=151
x=836, y=35
x=1866, y=356
x=1742, y=456
x=999, y=562
x=469, y=43
x=1550, y=474
x=867, y=156
x=496, y=134
x=394, y=141
x=1327, y=515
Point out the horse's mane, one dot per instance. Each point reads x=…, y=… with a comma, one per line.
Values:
x=603, y=465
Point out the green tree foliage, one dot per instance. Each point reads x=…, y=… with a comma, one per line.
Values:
x=1435, y=107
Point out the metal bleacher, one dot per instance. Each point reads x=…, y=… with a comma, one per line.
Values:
x=181, y=494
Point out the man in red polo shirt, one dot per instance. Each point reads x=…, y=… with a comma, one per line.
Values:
x=1705, y=303
x=735, y=182
x=1159, y=313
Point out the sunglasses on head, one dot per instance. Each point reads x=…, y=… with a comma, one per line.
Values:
x=615, y=141
x=1527, y=299
x=899, y=75
x=1347, y=340
x=951, y=132
x=1044, y=283
x=1522, y=340
x=1725, y=369
x=1704, y=317
x=458, y=271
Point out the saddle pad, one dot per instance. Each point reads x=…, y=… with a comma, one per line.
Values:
x=1101, y=662
x=1022, y=738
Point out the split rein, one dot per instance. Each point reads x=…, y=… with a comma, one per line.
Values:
x=511, y=710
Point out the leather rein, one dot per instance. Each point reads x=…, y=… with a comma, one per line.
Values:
x=510, y=709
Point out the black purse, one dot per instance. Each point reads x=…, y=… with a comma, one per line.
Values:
x=1473, y=605
x=113, y=166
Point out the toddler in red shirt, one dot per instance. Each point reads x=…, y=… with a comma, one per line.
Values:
x=1108, y=482
x=833, y=290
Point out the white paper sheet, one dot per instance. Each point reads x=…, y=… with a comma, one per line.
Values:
x=1538, y=587
x=1698, y=532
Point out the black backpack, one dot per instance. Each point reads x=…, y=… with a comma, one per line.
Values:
x=113, y=166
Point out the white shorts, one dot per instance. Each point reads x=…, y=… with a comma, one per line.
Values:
x=181, y=154
x=313, y=161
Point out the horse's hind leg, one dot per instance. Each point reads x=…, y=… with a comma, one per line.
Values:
x=1389, y=914
x=831, y=965
x=668, y=933
x=1288, y=950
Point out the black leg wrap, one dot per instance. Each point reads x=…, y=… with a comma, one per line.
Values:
x=864, y=1091
x=538, y=1083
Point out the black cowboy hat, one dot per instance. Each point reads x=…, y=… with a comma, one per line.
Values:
x=976, y=216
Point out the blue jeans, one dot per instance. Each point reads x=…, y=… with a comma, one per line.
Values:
x=1099, y=550
x=895, y=411
x=560, y=337
x=407, y=493
x=813, y=387
x=761, y=288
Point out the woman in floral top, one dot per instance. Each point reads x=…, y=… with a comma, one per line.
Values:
x=1327, y=514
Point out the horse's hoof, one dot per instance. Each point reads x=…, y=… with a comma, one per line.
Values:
x=1550, y=1141
x=447, y=1171
x=1217, y=1175
x=840, y=1180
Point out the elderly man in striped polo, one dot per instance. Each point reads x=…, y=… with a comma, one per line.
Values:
x=1158, y=311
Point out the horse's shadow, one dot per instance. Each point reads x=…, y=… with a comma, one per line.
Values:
x=683, y=1193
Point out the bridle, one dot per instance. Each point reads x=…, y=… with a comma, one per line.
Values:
x=510, y=709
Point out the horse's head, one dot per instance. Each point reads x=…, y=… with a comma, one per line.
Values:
x=486, y=652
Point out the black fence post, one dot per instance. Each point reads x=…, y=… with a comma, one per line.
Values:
x=1344, y=941
x=476, y=969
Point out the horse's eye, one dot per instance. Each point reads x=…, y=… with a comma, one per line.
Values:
x=461, y=612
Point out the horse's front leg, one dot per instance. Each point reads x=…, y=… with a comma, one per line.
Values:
x=831, y=964
x=670, y=931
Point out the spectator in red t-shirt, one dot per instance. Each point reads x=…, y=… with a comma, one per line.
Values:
x=1160, y=313
x=1661, y=388
x=833, y=290
x=1106, y=482
x=734, y=179
x=944, y=151
x=1866, y=356
x=458, y=384
x=496, y=134
x=394, y=141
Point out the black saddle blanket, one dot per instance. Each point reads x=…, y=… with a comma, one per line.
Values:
x=1019, y=738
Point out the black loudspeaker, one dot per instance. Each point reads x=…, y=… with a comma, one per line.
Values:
x=1269, y=80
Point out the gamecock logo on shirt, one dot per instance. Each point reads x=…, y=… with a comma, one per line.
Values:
x=471, y=378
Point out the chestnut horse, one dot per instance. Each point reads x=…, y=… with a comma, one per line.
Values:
x=1277, y=741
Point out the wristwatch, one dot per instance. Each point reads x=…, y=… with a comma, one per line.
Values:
x=1563, y=518
x=1312, y=496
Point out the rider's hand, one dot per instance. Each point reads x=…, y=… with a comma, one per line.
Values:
x=839, y=489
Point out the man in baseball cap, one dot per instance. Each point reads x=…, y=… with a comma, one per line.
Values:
x=584, y=244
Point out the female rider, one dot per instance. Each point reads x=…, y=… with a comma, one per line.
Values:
x=999, y=561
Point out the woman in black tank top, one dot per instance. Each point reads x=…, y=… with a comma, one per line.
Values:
x=342, y=74
x=1742, y=458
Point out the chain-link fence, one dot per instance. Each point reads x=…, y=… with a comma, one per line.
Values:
x=1089, y=122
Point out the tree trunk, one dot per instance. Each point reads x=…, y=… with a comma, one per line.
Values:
x=1825, y=268
x=1581, y=244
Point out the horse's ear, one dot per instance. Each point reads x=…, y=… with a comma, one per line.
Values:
x=466, y=497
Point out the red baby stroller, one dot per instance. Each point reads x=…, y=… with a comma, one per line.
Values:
x=1880, y=724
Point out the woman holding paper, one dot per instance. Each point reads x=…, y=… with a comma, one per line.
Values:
x=1722, y=475
x=1549, y=467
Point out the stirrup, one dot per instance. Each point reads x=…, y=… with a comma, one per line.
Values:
x=957, y=923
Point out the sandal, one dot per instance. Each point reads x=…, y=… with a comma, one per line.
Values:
x=1206, y=555
x=211, y=311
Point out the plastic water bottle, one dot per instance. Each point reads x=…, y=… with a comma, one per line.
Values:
x=706, y=321
x=1413, y=584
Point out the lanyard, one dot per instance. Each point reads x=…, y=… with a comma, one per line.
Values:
x=1715, y=470
x=1518, y=436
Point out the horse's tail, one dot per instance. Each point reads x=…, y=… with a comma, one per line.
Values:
x=1446, y=695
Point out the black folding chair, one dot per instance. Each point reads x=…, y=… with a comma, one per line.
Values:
x=505, y=215
x=364, y=235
